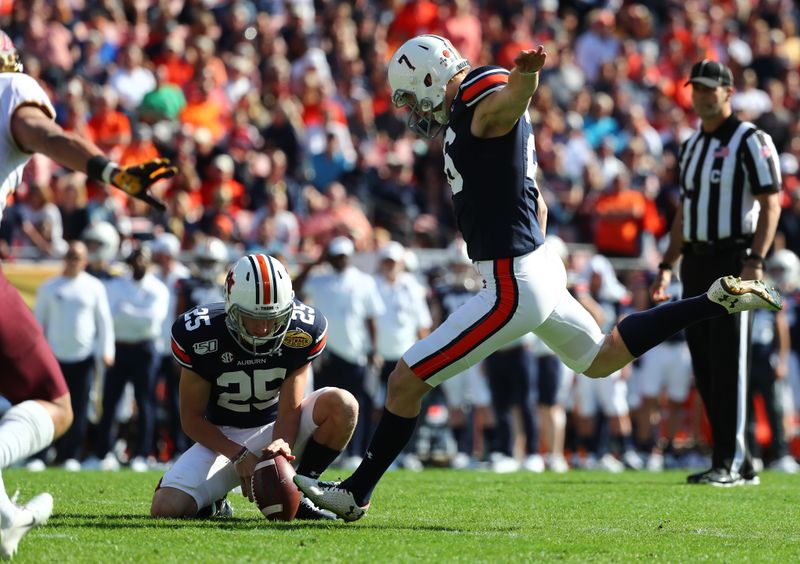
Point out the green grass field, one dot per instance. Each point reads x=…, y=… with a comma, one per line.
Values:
x=434, y=516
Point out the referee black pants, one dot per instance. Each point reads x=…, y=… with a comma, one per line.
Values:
x=720, y=350
x=337, y=372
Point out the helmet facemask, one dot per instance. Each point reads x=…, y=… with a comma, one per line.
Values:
x=270, y=341
x=423, y=118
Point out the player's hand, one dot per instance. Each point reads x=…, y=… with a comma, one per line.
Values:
x=530, y=61
x=137, y=179
x=245, y=469
x=278, y=446
x=658, y=289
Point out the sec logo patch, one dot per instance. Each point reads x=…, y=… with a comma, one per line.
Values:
x=297, y=339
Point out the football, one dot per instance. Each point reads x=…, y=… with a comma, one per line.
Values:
x=273, y=489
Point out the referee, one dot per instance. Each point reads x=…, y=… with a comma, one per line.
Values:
x=730, y=180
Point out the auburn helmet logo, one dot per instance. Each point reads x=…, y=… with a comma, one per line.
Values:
x=229, y=282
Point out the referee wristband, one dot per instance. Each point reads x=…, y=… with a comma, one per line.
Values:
x=664, y=266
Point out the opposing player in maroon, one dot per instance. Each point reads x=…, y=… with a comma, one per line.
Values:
x=29, y=374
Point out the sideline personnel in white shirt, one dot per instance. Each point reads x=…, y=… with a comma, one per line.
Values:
x=139, y=303
x=73, y=311
x=349, y=299
x=407, y=317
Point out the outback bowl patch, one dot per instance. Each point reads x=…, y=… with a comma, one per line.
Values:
x=297, y=339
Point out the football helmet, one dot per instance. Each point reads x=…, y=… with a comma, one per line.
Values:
x=102, y=242
x=258, y=288
x=783, y=268
x=210, y=258
x=9, y=57
x=418, y=75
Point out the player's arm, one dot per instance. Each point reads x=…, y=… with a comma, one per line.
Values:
x=765, y=233
x=497, y=114
x=658, y=289
x=288, y=420
x=194, y=394
x=35, y=132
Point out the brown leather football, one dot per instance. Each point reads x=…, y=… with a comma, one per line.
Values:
x=273, y=489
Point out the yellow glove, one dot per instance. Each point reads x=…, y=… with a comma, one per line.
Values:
x=134, y=180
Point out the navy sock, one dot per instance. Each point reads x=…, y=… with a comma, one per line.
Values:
x=391, y=436
x=643, y=330
x=626, y=441
x=315, y=459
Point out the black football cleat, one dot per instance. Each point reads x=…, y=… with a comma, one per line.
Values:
x=310, y=512
x=331, y=496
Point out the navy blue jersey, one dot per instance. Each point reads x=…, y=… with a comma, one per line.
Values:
x=492, y=180
x=245, y=387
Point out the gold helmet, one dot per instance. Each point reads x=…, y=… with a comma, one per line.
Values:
x=9, y=57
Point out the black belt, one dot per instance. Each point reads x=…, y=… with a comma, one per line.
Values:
x=718, y=246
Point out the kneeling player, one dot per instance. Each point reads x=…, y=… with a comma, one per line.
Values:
x=245, y=363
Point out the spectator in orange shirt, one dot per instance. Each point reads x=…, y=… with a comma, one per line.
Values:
x=619, y=213
x=205, y=109
x=176, y=69
x=219, y=178
x=141, y=148
x=109, y=128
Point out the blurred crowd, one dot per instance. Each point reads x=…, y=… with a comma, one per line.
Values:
x=278, y=116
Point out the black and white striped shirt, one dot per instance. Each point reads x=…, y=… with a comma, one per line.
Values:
x=720, y=173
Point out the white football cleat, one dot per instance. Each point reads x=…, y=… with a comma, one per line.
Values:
x=736, y=295
x=557, y=463
x=328, y=495
x=34, y=513
x=786, y=464
x=534, y=463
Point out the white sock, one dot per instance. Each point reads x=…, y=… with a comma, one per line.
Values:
x=6, y=507
x=25, y=429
